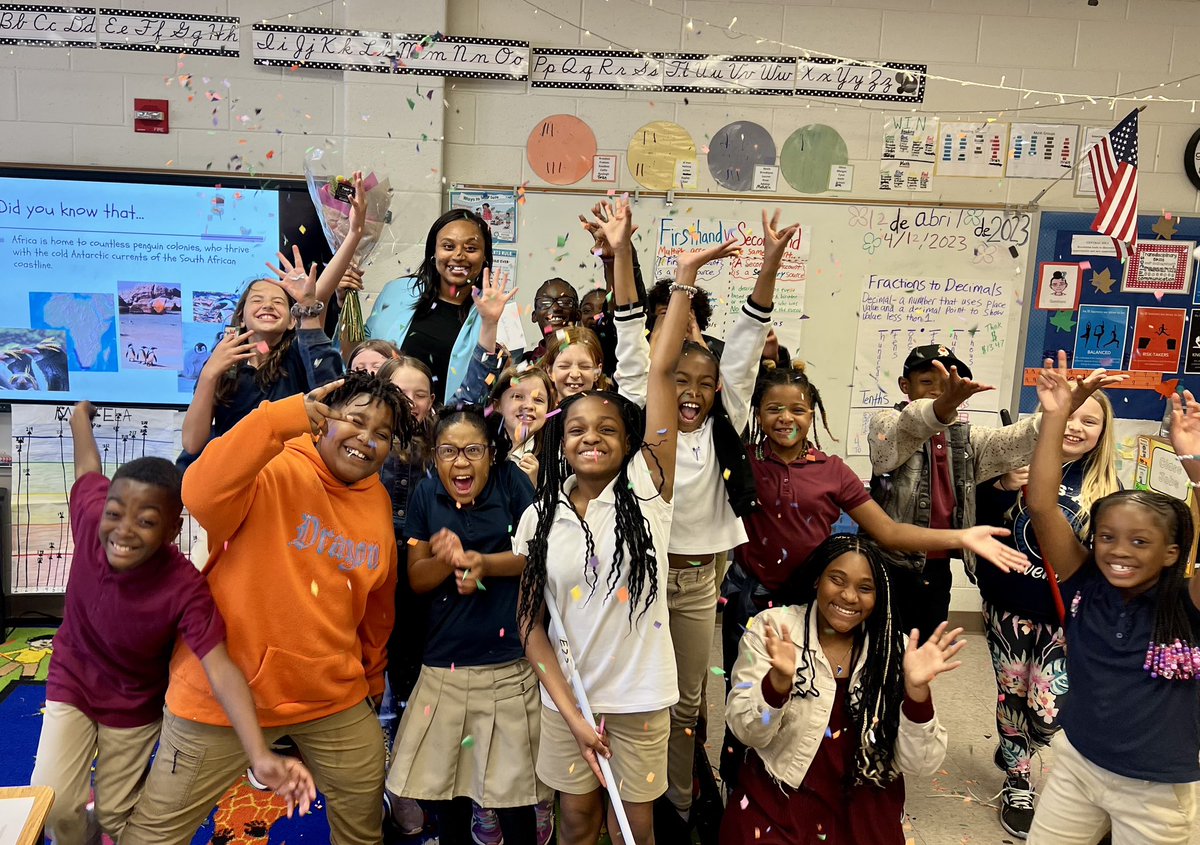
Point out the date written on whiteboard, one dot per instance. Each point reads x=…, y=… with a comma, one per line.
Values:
x=942, y=228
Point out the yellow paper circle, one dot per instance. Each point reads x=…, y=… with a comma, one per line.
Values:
x=654, y=154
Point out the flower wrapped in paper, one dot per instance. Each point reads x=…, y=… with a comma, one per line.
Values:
x=328, y=184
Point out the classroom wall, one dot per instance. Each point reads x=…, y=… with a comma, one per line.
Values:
x=74, y=107
x=1059, y=45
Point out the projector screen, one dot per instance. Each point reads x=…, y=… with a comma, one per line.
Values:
x=116, y=286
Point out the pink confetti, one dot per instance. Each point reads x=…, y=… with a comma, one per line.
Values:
x=1085, y=265
x=262, y=347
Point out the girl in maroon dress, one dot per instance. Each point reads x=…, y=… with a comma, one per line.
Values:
x=834, y=707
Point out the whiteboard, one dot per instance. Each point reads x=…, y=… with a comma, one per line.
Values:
x=847, y=243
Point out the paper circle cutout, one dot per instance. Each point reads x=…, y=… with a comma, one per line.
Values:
x=807, y=155
x=560, y=149
x=655, y=150
x=734, y=151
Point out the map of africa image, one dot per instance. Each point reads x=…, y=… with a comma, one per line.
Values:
x=89, y=320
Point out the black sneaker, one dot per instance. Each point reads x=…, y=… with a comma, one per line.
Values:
x=1016, y=806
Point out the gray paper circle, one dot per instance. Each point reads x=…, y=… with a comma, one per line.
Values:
x=734, y=151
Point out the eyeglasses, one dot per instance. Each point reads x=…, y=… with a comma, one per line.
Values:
x=448, y=452
x=545, y=303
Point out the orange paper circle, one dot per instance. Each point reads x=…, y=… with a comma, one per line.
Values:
x=560, y=149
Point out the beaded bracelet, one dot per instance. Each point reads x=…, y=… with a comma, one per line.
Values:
x=690, y=290
x=303, y=312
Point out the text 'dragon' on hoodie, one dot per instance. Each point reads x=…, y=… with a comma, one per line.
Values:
x=302, y=566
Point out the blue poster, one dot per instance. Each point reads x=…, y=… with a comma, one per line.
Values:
x=1100, y=337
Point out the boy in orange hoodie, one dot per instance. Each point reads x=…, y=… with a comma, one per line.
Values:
x=303, y=569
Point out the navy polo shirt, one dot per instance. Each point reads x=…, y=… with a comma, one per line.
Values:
x=1117, y=716
x=479, y=629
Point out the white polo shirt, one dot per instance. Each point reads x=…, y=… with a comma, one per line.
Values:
x=627, y=666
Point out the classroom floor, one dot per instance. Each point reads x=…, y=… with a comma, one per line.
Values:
x=956, y=806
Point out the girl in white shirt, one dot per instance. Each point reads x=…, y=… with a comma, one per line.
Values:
x=607, y=525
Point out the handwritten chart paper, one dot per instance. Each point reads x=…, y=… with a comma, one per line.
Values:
x=908, y=154
x=1039, y=151
x=972, y=149
x=730, y=281
x=43, y=474
x=898, y=313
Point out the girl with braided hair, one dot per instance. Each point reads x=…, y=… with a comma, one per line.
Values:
x=1127, y=752
x=607, y=524
x=835, y=707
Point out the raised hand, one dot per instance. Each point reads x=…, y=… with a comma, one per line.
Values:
x=1054, y=388
x=300, y=283
x=981, y=539
x=696, y=259
x=490, y=298
x=231, y=350
x=957, y=389
x=288, y=778
x=600, y=245
x=923, y=664
x=775, y=240
x=1083, y=388
x=319, y=414
x=615, y=221
x=782, y=653
x=358, y=205
x=1185, y=424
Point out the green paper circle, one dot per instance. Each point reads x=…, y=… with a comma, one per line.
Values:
x=807, y=155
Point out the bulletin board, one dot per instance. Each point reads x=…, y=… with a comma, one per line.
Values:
x=1103, y=327
x=868, y=282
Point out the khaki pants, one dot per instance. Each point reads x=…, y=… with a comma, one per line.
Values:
x=69, y=742
x=692, y=605
x=196, y=763
x=1082, y=798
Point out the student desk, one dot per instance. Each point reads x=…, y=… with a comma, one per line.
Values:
x=43, y=798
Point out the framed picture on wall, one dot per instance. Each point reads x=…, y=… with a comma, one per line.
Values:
x=1159, y=267
x=1060, y=284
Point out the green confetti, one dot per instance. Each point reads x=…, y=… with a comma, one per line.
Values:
x=468, y=741
x=562, y=240
x=716, y=670
x=411, y=103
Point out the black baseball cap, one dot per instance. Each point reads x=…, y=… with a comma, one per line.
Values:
x=922, y=356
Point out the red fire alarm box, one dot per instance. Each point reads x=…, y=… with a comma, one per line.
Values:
x=150, y=116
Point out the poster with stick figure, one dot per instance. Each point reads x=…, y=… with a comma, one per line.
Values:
x=1157, y=339
x=1059, y=286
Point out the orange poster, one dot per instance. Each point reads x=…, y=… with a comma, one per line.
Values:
x=1158, y=339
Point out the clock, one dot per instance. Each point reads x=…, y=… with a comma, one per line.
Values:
x=1191, y=159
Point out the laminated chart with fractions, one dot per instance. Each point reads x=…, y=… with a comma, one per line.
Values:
x=43, y=473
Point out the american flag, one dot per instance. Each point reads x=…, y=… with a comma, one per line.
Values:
x=1114, y=170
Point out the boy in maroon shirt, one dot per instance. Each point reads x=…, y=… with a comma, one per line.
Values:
x=129, y=595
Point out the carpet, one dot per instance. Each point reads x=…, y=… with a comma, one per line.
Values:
x=243, y=815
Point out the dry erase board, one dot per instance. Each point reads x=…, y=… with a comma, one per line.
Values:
x=1138, y=316
x=866, y=283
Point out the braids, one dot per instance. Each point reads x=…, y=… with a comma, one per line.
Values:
x=632, y=539
x=361, y=383
x=1174, y=648
x=772, y=376
x=874, y=703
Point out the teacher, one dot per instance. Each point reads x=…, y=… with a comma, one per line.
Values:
x=431, y=315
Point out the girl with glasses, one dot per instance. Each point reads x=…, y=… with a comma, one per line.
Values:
x=471, y=728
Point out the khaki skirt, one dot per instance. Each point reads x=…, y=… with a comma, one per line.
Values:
x=472, y=732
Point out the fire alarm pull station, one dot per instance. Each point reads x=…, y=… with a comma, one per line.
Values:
x=150, y=116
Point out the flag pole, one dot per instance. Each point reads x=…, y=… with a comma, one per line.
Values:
x=1067, y=172
x=564, y=649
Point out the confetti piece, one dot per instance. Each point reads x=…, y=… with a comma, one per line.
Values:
x=649, y=777
x=745, y=802
x=623, y=595
x=426, y=709
x=412, y=541
x=725, y=475
x=262, y=347
x=468, y=741
x=571, y=769
x=314, y=588
x=576, y=593
x=716, y=670
x=657, y=625
x=303, y=230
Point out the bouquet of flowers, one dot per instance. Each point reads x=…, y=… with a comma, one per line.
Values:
x=331, y=188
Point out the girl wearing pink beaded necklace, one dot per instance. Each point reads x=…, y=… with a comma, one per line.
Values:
x=1129, y=751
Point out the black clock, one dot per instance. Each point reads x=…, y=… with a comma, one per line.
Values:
x=1191, y=159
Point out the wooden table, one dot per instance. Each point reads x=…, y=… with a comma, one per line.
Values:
x=43, y=798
